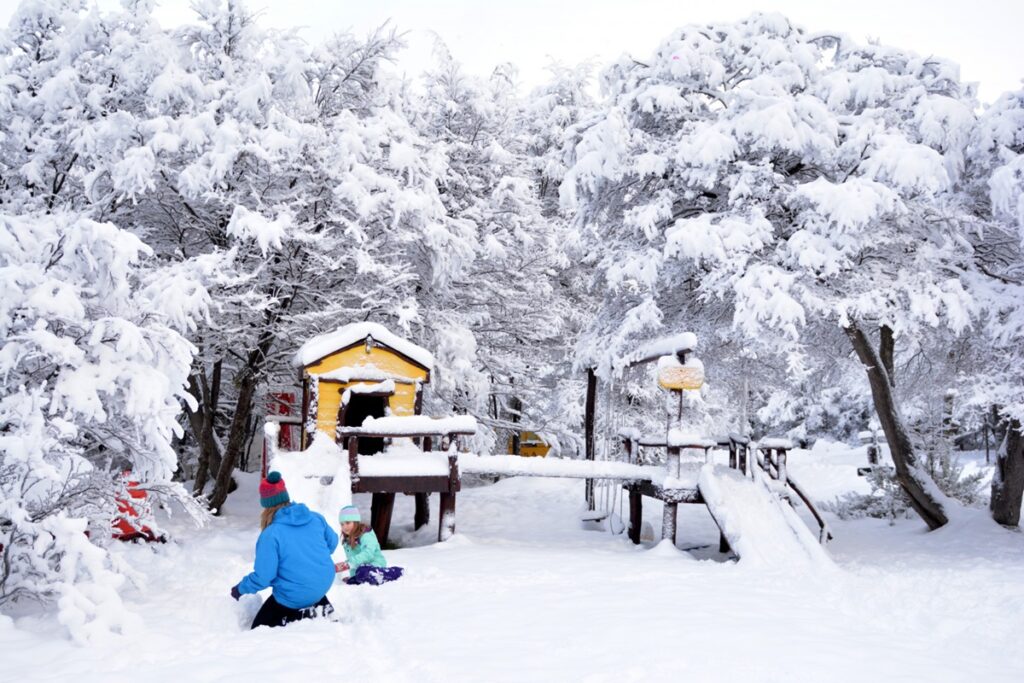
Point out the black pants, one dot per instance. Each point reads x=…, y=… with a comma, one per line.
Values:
x=274, y=613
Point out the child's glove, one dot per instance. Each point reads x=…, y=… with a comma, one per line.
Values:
x=340, y=567
x=235, y=593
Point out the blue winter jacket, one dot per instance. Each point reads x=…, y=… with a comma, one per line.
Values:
x=293, y=555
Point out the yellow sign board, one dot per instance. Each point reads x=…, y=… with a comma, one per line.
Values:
x=679, y=377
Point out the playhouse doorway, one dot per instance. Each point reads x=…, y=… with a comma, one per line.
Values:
x=360, y=407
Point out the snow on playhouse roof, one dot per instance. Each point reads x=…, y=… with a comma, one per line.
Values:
x=348, y=335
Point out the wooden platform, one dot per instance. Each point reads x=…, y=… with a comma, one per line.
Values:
x=383, y=488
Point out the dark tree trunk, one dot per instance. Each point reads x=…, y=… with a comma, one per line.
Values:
x=515, y=414
x=236, y=437
x=887, y=349
x=202, y=421
x=1008, y=481
x=912, y=478
x=248, y=380
x=247, y=383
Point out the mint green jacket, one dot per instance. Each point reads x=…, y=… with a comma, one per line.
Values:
x=367, y=551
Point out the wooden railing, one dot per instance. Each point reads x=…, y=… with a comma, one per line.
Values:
x=773, y=463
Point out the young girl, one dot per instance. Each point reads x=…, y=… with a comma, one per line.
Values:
x=293, y=555
x=365, y=562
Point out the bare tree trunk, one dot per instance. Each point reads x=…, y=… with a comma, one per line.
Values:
x=516, y=412
x=912, y=478
x=203, y=422
x=247, y=381
x=1008, y=481
x=887, y=351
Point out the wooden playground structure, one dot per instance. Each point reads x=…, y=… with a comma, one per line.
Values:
x=363, y=386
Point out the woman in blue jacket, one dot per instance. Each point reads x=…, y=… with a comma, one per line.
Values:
x=293, y=556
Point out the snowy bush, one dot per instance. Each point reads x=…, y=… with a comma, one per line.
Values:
x=948, y=473
x=887, y=499
x=92, y=374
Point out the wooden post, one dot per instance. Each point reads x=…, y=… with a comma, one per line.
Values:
x=353, y=458
x=446, y=513
x=636, y=514
x=768, y=464
x=733, y=455
x=385, y=505
x=780, y=464
x=672, y=464
x=446, y=510
x=670, y=511
x=668, y=521
x=588, y=427
x=454, y=481
x=422, y=515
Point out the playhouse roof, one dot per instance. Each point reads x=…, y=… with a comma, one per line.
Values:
x=348, y=335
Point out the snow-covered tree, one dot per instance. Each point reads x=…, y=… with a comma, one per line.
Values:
x=498, y=325
x=803, y=180
x=94, y=365
x=998, y=158
x=93, y=352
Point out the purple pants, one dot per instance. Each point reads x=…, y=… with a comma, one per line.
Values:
x=374, y=575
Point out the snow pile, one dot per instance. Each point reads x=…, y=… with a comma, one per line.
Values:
x=418, y=424
x=404, y=459
x=318, y=476
x=354, y=333
x=360, y=373
x=385, y=387
x=557, y=467
x=522, y=572
x=775, y=443
x=681, y=439
x=686, y=341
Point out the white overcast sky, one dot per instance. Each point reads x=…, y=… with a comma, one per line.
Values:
x=983, y=36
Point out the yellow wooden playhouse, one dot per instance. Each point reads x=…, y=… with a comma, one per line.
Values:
x=358, y=371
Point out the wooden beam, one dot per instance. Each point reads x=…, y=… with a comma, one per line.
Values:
x=367, y=432
x=406, y=484
x=651, y=490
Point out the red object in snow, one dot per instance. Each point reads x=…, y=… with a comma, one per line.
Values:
x=124, y=528
x=280, y=403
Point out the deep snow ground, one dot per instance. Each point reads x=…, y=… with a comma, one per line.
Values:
x=524, y=592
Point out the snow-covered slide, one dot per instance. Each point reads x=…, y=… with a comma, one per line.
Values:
x=760, y=527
